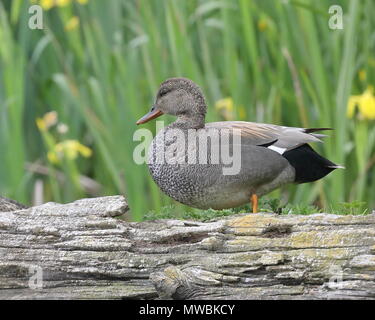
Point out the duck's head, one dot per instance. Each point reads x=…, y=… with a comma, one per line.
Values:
x=180, y=97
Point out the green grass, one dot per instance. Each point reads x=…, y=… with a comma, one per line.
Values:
x=173, y=212
x=271, y=205
x=102, y=76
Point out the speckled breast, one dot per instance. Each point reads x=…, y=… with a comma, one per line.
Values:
x=200, y=185
x=167, y=161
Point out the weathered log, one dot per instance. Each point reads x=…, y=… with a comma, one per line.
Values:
x=83, y=250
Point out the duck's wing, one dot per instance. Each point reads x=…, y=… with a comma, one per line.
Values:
x=277, y=138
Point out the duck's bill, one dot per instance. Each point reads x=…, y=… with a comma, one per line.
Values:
x=149, y=116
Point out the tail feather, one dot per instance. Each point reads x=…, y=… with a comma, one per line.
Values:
x=311, y=130
x=317, y=135
x=308, y=164
x=337, y=167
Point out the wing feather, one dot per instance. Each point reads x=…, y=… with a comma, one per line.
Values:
x=262, y=134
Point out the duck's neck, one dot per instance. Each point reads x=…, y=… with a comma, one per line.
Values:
x=189, y=122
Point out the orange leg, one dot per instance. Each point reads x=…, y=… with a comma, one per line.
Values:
x=254, y=202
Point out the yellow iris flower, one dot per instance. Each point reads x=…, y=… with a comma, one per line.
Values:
x=70, y=149
x=48, y=121
x=364, y=103
x=226, y=103
x=225, y=108
x=72, y=23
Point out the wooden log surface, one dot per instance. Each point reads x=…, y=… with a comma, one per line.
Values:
x=82, y=250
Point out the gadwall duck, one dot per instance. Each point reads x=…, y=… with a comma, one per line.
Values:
x=268, y=156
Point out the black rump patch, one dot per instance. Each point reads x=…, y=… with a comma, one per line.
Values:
x=309, y=165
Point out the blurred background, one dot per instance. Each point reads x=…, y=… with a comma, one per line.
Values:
x=70, y=94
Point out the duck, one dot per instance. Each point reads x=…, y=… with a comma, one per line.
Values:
x=268, y=156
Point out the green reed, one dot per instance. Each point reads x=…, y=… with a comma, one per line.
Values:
x=277, y=60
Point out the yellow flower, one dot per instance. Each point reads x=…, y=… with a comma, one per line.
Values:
x=48, y=120
x=226, y=103
x=365, y=103
x=72, y=23
x=41, y=125
x=225, y=108
x=47, y=4
x=70, y=149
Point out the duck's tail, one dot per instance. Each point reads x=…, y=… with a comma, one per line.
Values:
x=309, y=165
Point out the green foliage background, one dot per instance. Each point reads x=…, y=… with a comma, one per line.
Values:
x=277, y=60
